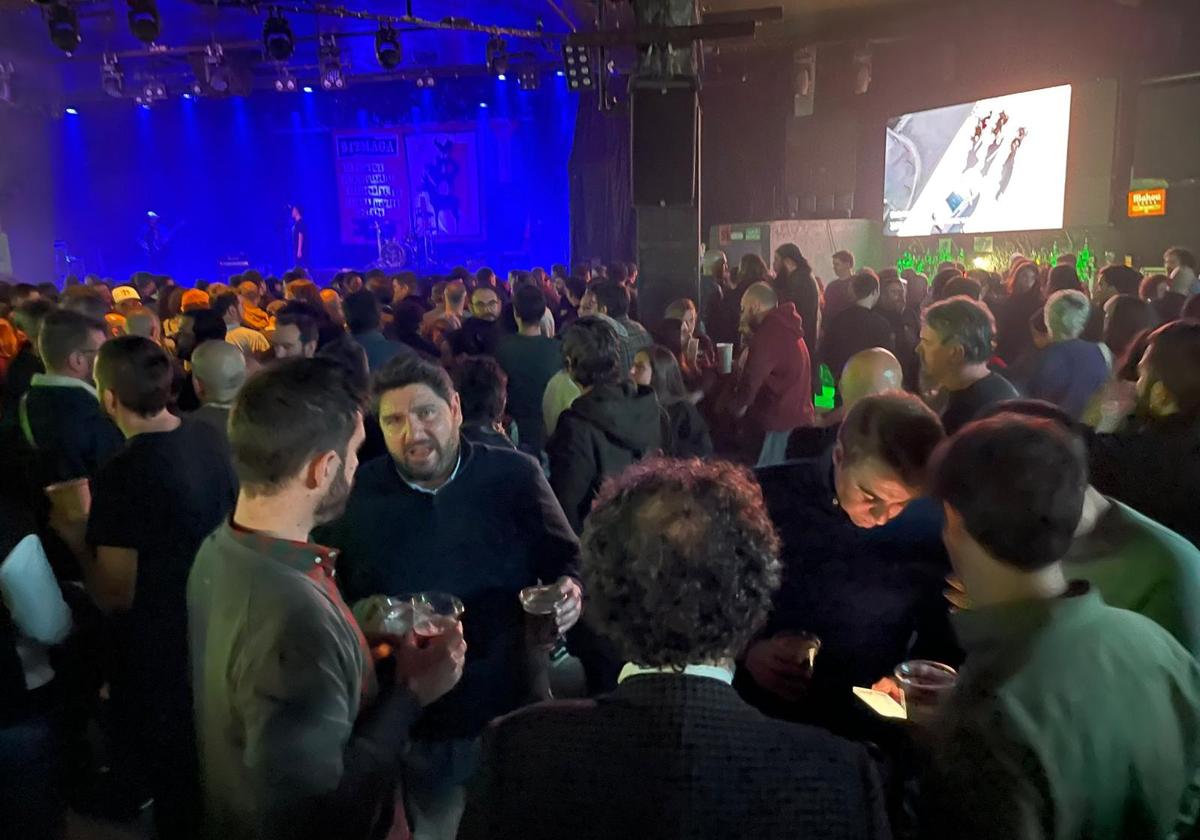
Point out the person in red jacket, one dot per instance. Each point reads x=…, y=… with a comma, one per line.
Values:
x=774, y=389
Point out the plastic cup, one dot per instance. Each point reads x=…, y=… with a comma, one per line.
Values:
x=540, y=604
x=926, y=685
x=434, y=612
x=725, y=356
x=71, y=500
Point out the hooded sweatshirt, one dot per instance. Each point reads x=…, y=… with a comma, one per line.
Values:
x=602, y=433
x=776, y=382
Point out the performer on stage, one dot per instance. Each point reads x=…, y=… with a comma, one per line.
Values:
x=300, y=243
x=152, y=241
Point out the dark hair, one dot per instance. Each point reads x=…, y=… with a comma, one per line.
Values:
x=1124, y=279
x=482, y=388
x=669, y=334
x=1185, y=257
x=64, y=332
x=1063, y=278
x=895, y=428
x=485, y=276
x=576, y=285
x=30, y=315
x=170, y=304
x=612, y=296
x=1018, y=484
x=48, y=291
x=350, y=355
x=591, y=352
x=86, y=301
x=937, y=289
x=207, y=325
x=285, y=415
x=138, y=371
x=1174, y=360
x=665, y=377
x=965, y=322
x=864, y=284
x=223, y=302
x=790, y=251
x=410, y=369
x=680, y=561
x=1191, y=307
x=407, y=317
x=618, y=272
x=752, y=269
x=959, y=286
x=1125, y=368
x=843, y=256
x=362, y=311
x=529, y=305
x=1150, y=285
x=1036, y=409
x=1128, y=316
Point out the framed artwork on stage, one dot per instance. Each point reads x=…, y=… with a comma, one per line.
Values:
x=443, y=180
x=372, y=181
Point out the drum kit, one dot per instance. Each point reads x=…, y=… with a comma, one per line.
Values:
x=415, y=251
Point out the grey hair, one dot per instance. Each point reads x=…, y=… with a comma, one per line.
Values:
x=1067, y=314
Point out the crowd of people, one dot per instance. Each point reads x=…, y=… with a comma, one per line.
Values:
x=284, y=561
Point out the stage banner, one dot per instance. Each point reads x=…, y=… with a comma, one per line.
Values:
x=443, y=179
x=372, y=181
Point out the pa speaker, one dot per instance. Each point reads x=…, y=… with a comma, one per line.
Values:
x=666, y=138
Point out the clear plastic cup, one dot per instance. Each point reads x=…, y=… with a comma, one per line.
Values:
x=925, y=685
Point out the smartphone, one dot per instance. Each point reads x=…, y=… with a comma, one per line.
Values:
x=880, y=703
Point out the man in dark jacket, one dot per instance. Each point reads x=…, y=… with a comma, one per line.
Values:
x=613, y=424
x=1154, y=467
x=857, y=326
x=795, y=284
x=864, y=566
x=60, y=415
x=27, y=318
x=363, y=319
x=774, y=388
x=530, y=359
x=403, y=532
x=673, y=752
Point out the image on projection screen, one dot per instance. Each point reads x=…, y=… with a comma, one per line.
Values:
x=994, y=165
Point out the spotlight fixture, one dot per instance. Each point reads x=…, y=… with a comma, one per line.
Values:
x=426, y=79
x=862, y=70
x=285, y=82
x=497, y=56
x=329, y=60
x=577, y=62
x=72, y=112
x=528, y=78
x=153, y=90
x=216, y=74
x=64, y=27
x=277, y=37
x=387, y=47
x=144, y=21
x=112, y=79
x=6, y=75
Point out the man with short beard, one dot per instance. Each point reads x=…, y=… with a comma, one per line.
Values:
x=300, y=735
x=442, y=514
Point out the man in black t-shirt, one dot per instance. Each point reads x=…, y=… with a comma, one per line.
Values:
x=957, y=339
x=154, y=502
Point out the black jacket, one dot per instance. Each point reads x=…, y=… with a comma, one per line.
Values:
x=850, y=331
x=689, y=437
x=667, y=757
x=801, y=289
x=1155, y=470
x=477, y=337
x=602, y=433
x=16, y=382
x=71, y=434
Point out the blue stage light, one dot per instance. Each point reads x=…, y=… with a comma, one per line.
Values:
x=307, y=89
x=72, y=112
x=483, y=104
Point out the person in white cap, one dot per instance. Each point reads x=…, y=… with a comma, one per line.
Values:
x=126, y=300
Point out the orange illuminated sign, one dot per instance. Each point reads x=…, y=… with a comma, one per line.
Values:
x=1147, y=203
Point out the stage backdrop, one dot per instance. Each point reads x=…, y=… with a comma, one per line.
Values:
x=482, y=160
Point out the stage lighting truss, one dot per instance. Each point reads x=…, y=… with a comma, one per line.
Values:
x=153, y=90
x=6, y=77
x=285, y=82
x=216, y=74
x=144, y=21
x=426, y=79
x=278, y=42
x=579, y=67
x=387, y=47
x=497, y=56
x=329, y=60
x=528, y=77
x=112, y=78
x=63, y=22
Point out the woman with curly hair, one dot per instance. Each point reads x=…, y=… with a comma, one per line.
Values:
x=680, y=562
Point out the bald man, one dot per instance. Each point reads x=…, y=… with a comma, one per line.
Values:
x=868, y=372
x=145, y=323
x=218, y=371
